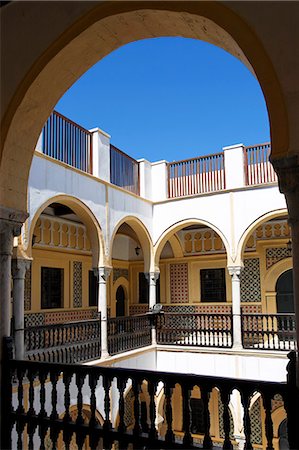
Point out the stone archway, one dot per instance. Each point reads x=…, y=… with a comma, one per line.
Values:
x=50, y=72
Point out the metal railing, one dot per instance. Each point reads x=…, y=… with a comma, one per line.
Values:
x=196, y=176
x=65, y=342
x=269, y=331
x=124, y=170
x=128, y=333
x=258, y=169
x=68, y=142
x=198, y=330
x=37, y=399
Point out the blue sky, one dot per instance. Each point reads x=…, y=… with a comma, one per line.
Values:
x=170, y=98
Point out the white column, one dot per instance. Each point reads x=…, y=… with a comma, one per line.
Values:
x=287, y=170
x=19, y=267
x=102, y=274
x=101, y=154
x=145, y=178
x=234, y=166
x=152, y=278
x=10, y=226
x=235, y=271
x=159, y=181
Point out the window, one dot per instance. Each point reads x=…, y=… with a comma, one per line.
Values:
x=93, y=292
x=212, y=285
x=52, y=279
x=143, y=288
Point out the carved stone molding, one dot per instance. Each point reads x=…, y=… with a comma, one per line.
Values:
x=152, y=276
x=19, y=267
x=102, y=273
x=235, y=271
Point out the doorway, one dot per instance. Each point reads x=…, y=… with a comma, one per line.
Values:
x=120, y=302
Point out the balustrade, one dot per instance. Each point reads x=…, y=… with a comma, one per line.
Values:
x=128, y=333
x=258, y=169
x=124, y=170
x=199, y=330
x=269, y=331
x=68, y=142
x=196, y=176
x=66, y=342
x=45, y=419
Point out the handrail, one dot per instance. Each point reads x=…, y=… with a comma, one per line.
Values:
x=196, y=176
x=124, y=170
x=67, y=141
x=258, y=169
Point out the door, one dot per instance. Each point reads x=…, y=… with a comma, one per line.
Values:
x=120, y=302
x=284, y=293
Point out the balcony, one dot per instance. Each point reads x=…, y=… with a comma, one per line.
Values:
x=92, y=153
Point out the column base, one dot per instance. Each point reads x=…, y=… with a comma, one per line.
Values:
x=105, y=354
x=237, y=347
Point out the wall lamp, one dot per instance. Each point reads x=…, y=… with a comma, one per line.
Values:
x=137, y=250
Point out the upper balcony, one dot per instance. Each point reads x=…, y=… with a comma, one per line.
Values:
x=236, y=167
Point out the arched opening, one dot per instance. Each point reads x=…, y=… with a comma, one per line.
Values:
x=120, y=302
x=285, y=293
x=283, y=435
x=62, y=64
x=131, y=250
x=60, y=286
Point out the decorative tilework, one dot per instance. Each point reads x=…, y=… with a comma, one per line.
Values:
x=138, y=309
x=214, y=309
x=183, y=309
x=273, y=255
x=34, y=319
x=68, y=316
x=256, y=423
x=179, y=283
x=27, y=290
x=77, y=284
x=251, y=309
x=231, y=420
x=250, y=281
x=117, y=273
x=276, y=402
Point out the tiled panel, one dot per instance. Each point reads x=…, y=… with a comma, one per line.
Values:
x=251, y=309
x=250, y=281
x=273, y=255
x=68, y=316
x=179, y=283
x=77, y=284
x=256, y=423
x=27, y=290
x=117, y=273
x=34, y=319
x=138, y=309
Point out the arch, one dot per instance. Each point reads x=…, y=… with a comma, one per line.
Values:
x=143, y=235
x=121, y=281
x=274, y=273
x=249, y=230
x=161, y=241
x=87, y=217
x=54, y=68
x=284, y=293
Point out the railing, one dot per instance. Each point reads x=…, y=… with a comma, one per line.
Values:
x=269, y=331
x=258, y=169
x=45, y=393
x=128, y=333
x=68, y=142
x=199, y=330
x=64, y=343
x=196, y=176
x=124, y=170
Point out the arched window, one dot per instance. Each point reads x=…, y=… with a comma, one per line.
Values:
x=284, y=293
x=120, y=302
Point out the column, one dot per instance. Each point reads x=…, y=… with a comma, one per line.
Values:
x=235, y=271
x=10, y=226
x=287, y=170
x=152, y=278
x=102, y=274
x=19, y=268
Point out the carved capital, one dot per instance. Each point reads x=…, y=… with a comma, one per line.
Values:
x=287, y=170
x=19, y=267
x=152, y=277
x=102, y=273
x=235, y=272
